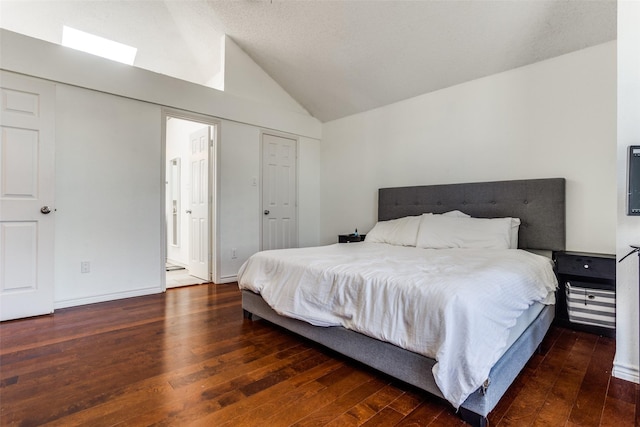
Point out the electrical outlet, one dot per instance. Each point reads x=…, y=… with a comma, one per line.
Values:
x=85, y=267
x=234, y=253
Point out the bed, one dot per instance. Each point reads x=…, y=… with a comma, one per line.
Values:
x=540, y=206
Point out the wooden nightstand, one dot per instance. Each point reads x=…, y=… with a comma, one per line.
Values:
x=350, y=238
x=587, y=292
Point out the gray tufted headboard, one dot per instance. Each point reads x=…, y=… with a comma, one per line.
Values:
x=539, y=203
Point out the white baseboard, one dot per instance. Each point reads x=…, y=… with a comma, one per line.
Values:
x=227, y=279
x=626, y=372
x=73, y=302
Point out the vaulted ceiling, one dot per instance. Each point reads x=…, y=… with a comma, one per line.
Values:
x=336, y=58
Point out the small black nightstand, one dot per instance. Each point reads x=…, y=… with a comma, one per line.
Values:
x=350, y=238
x=587, y=292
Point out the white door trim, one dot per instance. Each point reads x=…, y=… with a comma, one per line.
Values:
x=296, y=138
x=214, y=188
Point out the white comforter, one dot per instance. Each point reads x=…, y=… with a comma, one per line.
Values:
x=453, y=305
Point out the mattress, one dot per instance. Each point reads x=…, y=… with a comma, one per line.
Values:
x=522, y=323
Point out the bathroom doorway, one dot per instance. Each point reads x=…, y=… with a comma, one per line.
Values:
x=190, y=178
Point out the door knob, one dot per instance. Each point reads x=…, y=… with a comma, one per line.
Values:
x=188, y=211
x=266, y=211
x=45, y=210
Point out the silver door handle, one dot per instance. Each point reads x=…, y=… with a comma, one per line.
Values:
x=45, y=210
x=188, y=211
x=266, y=211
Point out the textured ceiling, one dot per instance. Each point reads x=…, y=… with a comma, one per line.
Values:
x=337, y=58
x=340, y=58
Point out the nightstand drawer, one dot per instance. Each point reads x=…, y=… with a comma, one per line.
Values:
x=586, y=266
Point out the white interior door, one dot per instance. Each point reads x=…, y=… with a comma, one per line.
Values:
x=27, y=132
x=279, y=193
x=200, y=143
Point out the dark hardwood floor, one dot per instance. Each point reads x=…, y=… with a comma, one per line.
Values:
x=187, y=357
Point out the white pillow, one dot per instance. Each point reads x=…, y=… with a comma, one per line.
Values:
x=441, y=231
x=399, y=232
x=515, y=226
x=457, y=214
x=513, y=234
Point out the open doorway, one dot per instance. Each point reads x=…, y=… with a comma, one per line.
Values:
x=190, y=147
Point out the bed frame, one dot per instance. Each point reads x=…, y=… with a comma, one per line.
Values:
x=540, y=205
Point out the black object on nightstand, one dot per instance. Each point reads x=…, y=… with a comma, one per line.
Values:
x=350, y=238
x=586, y=298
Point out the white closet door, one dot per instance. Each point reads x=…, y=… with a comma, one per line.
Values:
x=27, y=183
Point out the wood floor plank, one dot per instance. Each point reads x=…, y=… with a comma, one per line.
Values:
x=229, y=389
x=407, y=402
x=446, y=418
x=188, y=357
x=424, y=414
x=327, y=413
x=385, y=417
x=531, y=398
x=617, y=413
x=268, y=402
x=369, y=409
x=297, y=409
x=622, y=390
x=559, y=402
x=637, y=420
x=593, y=391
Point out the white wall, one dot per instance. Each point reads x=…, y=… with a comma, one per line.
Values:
x=555, y=118
x=109, y=168
x=239, y=200
x=38, y=58
x=239, y=206
x=243, y=77
x=308, y=191
x=626, y=359
x=108, y=192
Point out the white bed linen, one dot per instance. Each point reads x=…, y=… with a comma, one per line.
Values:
x=453, y=305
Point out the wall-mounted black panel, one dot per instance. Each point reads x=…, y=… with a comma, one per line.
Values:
x=634, y=180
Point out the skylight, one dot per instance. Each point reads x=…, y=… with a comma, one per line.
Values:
x=99, y=46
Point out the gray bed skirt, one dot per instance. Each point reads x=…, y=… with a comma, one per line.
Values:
x=410, y=367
